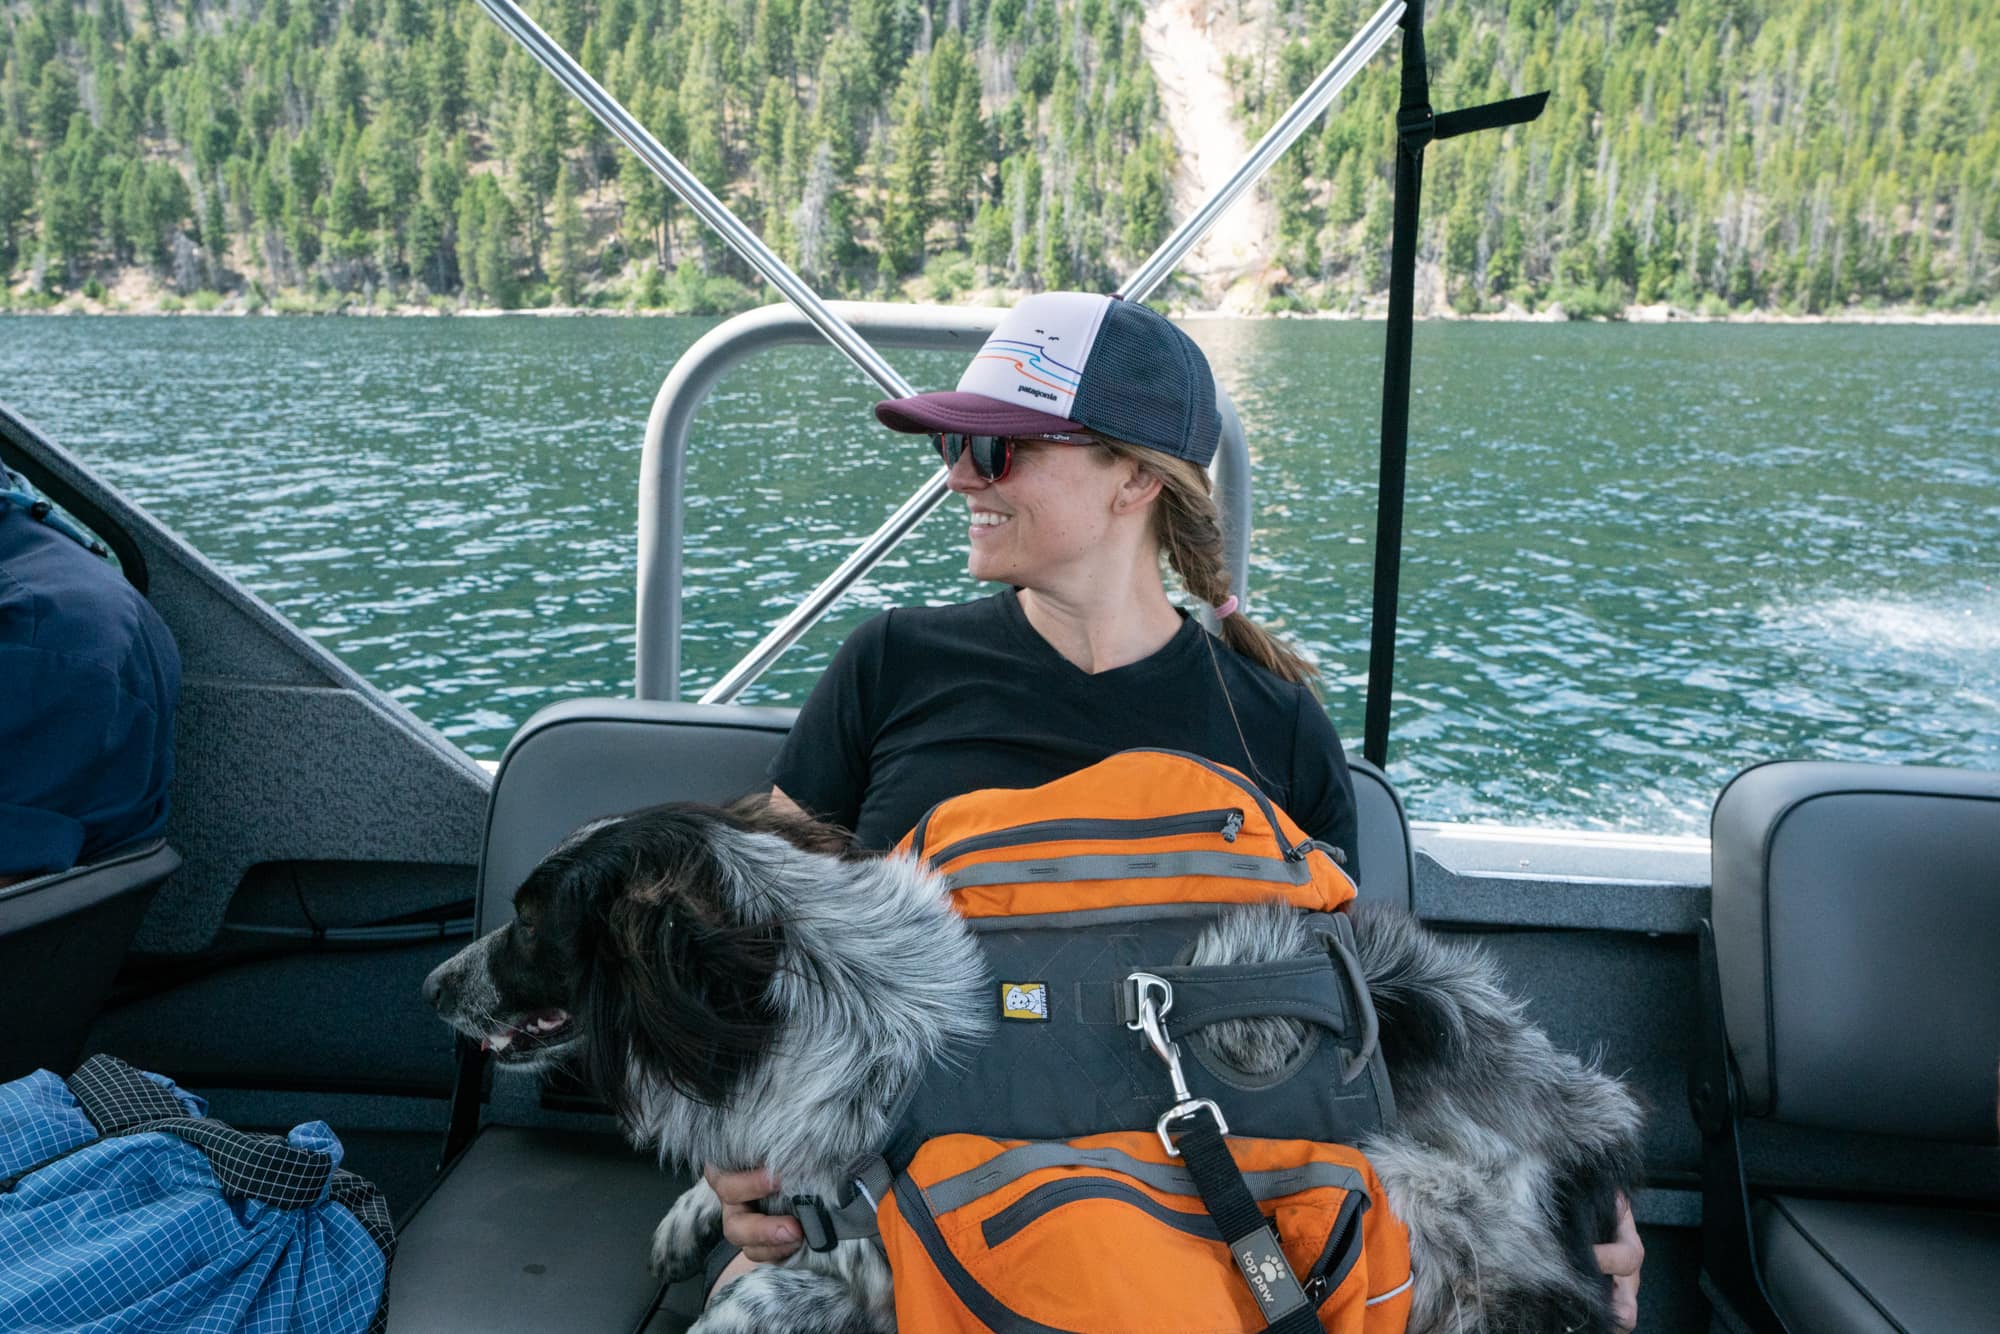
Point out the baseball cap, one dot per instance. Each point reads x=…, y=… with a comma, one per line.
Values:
x=1076, y=361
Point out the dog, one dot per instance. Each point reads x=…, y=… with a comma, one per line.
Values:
x=744, y=987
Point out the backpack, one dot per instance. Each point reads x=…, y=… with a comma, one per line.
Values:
x=124, y=1207
x=1098, y=1166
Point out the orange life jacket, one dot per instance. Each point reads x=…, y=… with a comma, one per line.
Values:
x=1041, y=1183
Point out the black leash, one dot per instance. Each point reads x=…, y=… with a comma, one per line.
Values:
x=1252, y=1242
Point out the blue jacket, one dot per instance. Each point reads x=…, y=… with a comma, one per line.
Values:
x=88, y=679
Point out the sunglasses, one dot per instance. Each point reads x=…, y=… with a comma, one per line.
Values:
x=993, y=455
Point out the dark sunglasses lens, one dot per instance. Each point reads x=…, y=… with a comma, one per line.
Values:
x=991, y=454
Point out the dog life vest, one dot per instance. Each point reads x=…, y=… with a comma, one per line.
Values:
x=1074, y=1173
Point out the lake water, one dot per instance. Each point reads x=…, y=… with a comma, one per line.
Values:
x=1638, y=558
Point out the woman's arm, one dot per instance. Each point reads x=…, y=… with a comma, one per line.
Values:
x=784, y=805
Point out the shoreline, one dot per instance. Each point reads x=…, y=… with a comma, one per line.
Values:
x=234, y=307
x=1639, y=315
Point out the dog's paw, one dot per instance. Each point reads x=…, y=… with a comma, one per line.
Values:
x=687, y=1234
x=791, y=1298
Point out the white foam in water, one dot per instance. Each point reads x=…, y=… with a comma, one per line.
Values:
x=1970, y=629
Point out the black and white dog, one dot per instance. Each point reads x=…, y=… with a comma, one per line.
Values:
x=744, y=988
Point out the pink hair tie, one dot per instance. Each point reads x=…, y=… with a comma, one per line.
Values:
x=1226, y=608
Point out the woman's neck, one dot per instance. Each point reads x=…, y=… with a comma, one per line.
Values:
x=1103, y=626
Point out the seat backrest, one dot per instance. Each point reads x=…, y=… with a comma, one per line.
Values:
x=1388, y=866
x=1857, y=938
x=584, y=759
x=62, y=938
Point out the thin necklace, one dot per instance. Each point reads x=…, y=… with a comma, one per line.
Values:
x=1208, y=641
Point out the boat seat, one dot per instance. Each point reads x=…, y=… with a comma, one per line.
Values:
x=1855, y=934
x=62, y=937
x=531, y=1228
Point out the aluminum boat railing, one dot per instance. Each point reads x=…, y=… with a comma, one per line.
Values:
x=663, y=473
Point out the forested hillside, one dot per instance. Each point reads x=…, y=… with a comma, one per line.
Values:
x=1804, y=155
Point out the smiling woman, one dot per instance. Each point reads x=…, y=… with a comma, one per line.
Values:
x=1078, y=438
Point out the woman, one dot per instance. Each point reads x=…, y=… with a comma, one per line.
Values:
x=1079, y=437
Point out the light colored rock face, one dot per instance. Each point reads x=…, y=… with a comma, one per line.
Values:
x=1186, y=40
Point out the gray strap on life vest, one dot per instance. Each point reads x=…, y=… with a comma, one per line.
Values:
x=868, y=1182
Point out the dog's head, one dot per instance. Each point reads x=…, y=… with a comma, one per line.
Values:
x=647, y=940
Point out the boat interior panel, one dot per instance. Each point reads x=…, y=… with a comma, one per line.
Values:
x=62, y=938
x=285, y=760
x=1856, y=924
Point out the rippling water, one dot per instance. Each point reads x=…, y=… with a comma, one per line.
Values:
x=1638, y=558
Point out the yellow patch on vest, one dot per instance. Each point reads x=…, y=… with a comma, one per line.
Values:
x=1024, y=1000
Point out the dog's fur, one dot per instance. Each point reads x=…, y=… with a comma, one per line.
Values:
x=744, y=988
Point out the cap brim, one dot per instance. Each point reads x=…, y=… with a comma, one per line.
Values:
x=950, y=410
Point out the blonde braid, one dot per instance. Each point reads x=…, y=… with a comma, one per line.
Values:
x=1190, y=536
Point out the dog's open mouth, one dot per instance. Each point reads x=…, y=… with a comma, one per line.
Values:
x=530, y=1036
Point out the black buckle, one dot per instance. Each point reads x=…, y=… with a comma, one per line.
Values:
x=815, y=1223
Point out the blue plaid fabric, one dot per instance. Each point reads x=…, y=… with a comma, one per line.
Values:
x=190, y=1226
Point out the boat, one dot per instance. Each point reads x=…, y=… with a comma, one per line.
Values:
x=327, y=849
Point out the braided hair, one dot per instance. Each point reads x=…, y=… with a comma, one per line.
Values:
x=1190, y=535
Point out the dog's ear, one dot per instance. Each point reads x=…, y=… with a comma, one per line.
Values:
x=680, y=991
x=757, y=813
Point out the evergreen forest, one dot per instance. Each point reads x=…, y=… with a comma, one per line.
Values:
x=1799, y=156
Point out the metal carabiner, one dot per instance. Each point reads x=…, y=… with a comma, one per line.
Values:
x=1155, y=997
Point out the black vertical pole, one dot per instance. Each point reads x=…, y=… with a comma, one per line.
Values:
x=1414, y=127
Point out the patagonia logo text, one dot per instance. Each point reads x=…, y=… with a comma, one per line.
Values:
x=1024, y=1000
x=1038, y=393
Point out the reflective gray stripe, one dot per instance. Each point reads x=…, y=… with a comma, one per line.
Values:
x=984, y=1305
x=1112, y=866
x=961, y=1190
x=1396, y=1291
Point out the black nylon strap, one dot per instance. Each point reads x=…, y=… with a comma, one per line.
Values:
x=1491, y=116
x=1305, y=988
x=1252, y=1243
x=121, y=1101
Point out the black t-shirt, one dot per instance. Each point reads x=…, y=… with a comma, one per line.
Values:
x=926, y=703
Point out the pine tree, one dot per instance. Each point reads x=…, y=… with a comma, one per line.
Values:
x=567, y=260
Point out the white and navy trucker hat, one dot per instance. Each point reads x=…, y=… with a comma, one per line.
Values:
x=1076, y=361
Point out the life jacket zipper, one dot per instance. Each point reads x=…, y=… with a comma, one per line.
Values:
x=1255, y=793
x=1337, y=1257
x=1045, y=1199
x=1228, y=823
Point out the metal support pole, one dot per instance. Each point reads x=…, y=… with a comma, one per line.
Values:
x=1416, y=127
x=615, y=118
x=740, y=238
x=1413, y=121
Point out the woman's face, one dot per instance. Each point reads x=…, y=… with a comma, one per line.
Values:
x=1046, y=520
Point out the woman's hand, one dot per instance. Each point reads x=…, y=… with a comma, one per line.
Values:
x=762, y=1238
x=1620, y=1257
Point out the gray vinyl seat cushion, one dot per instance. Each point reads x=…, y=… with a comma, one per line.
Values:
x=534, y=1230
x=1836, y=1267
x=1857, y=924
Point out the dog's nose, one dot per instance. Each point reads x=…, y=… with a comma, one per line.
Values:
x=434, y=984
